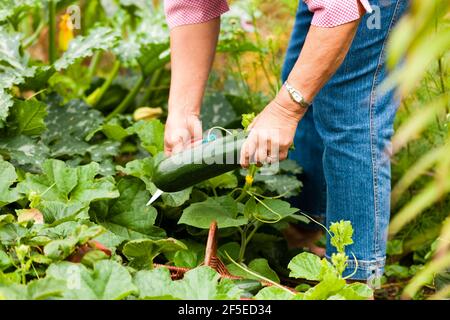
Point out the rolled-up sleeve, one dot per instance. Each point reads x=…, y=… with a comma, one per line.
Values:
x=182, y=12
x=332, y=13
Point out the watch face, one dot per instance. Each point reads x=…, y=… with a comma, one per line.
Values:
x=297, y=97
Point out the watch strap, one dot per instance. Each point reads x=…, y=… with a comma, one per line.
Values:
x=296, y=96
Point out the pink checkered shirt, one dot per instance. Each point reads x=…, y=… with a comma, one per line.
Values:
x=327, y=13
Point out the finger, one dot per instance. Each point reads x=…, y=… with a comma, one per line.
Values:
x=261, y=149
x=179, y=146
x=179, y=140
x=248, y=151
x=273, y=152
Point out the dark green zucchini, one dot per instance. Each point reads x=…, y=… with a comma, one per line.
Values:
x=198, y=164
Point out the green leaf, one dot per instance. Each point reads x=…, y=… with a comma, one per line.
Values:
x=217, y=111
x=281, y=184
x=143, y=169
x=247, y=119
x=107, y=281
x=68, y=127
x=5, y=261
x=190, y=258
x=27, y=118
x=100, y=38
x=260, y=266
x=11, y=233
x=114, y=130
x=231, y=249
x=14, y=64
x=70, y=236
x=394, y=247
x=7, y=218
x=7, y=177
x=46, y=288
x=274, y=210
x=224, y=181
x=329, y=286
x=60, y=249
x=91, y=257
x=290, y=166
x=142, y=252
x=174, y=199
x=396, y=270
x=60, y=186
x=275, y=293
x=6, y=102
x=25, y=152
x=151, y=134
x=342, y=234
x=306, y=266
x=201, y=214
x=128, y=216
x=354, y=291
x=13, y=67
x=70, y=84
x=250, y=208
x=201, y=283
x=11, y=8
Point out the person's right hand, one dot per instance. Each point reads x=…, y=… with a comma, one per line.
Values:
x=182, y=129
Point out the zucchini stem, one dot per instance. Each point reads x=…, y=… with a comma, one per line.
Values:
x=93, y=65
x=128, y=99
x=96, y=96
x=52, y=31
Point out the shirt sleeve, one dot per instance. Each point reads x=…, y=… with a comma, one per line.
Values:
x=182, y=12
x=332, y=13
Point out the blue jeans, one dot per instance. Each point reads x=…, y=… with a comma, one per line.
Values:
x=343, y=141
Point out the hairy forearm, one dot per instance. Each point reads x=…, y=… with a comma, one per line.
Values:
x=323, y=53
x=192, y=52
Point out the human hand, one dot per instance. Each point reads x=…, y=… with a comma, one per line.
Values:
x=182, y=129
x=272, y=132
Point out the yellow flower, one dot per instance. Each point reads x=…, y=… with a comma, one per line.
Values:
x=65, y=32
x=146, y=113
x=248, y=179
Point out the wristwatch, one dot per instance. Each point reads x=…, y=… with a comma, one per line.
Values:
x=296, y=96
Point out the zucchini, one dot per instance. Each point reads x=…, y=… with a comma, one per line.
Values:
x=200, y=163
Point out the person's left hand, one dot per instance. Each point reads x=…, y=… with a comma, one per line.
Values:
x=272, y=132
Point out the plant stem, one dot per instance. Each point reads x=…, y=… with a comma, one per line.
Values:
x=243, y=244
x=93, y=65
x=242, y=79
x=128, y=99
x=441, y=79
x=96, y=96
x=52, y=31
x=30, y=40
x=245, y=239
x=261, y=57
x=248, y=183
x=148, y=93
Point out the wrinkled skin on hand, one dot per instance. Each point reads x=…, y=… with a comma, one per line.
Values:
x=271, y=134
x=181, y=131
